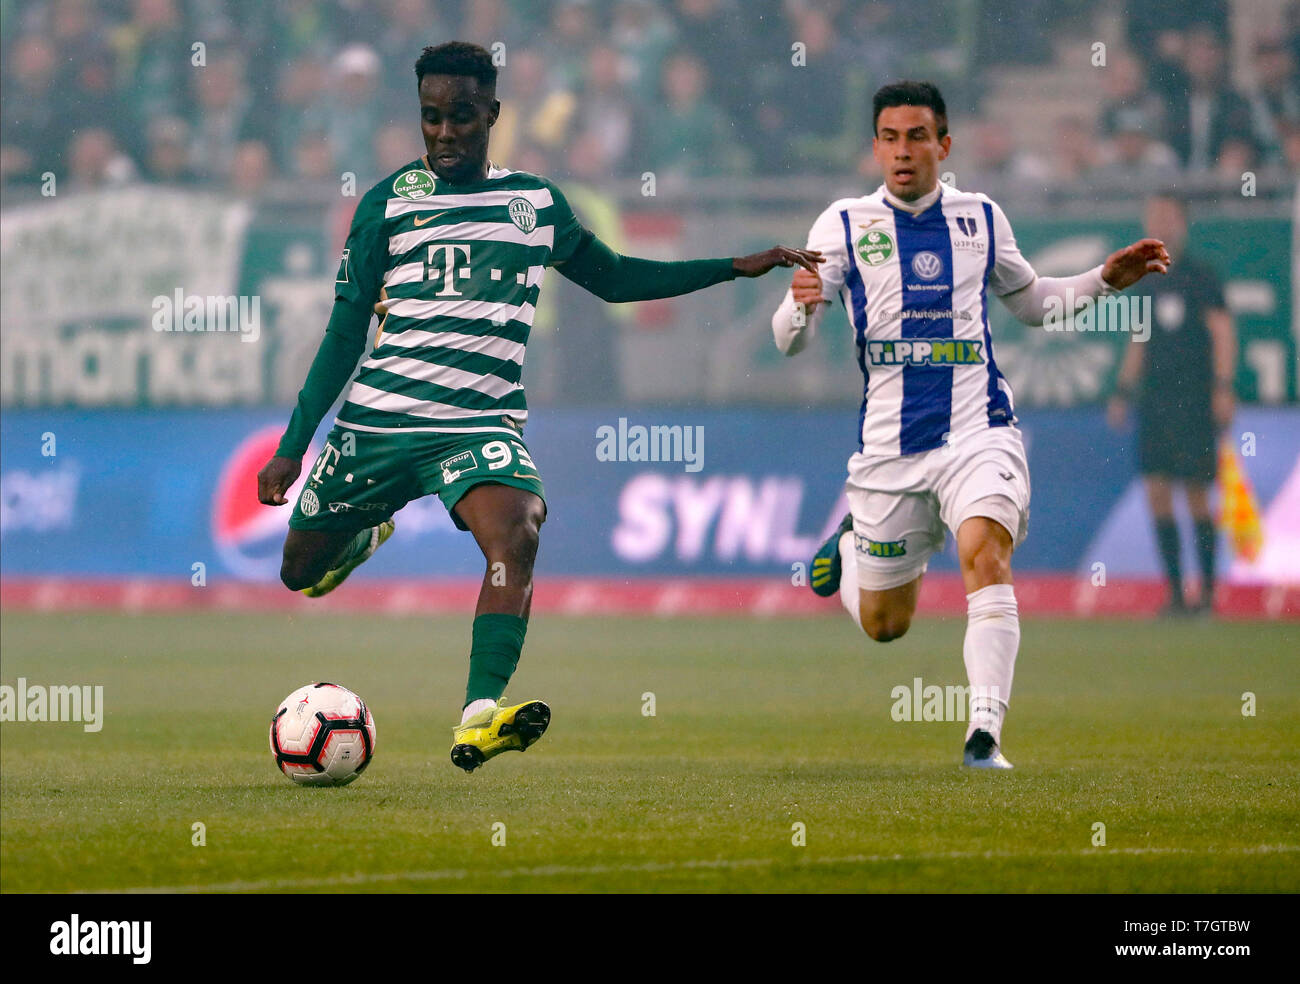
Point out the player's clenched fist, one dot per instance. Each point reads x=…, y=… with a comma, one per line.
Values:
x=806, y=287
x=274, y=479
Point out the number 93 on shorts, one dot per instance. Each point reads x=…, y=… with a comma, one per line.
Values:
x=361, y=478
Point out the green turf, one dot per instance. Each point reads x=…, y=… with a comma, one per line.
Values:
x=760, y=724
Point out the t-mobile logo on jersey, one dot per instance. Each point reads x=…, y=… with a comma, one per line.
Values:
x=448, y=272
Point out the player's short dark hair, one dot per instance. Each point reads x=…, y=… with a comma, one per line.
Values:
x=908, y=93
x=458, y=58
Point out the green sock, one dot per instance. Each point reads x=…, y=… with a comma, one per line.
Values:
x=493, y=655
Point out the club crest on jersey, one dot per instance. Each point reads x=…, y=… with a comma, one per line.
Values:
x=414, y=185
x=875, y=247
x=926, y=352
x=927, y=265
x=309, y=504
x=522, y=214
x=970, y=237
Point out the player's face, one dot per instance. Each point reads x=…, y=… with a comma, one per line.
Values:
x=1164, y=220
x=908, y=149
x=455, y=117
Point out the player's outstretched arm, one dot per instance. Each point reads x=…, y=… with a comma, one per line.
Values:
x=1051, y=297
x=616, y=278
x=344, y=340
x=1034, y=299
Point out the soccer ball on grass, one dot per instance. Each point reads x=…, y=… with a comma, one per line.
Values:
x=322, y=735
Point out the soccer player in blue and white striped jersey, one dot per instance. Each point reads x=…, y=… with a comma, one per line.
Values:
x=938, y=449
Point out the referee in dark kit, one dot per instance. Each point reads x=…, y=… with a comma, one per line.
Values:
x=1181, y=380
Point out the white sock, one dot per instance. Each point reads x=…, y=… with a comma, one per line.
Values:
x=850, y=598
x=476, y=707
x=992, y=638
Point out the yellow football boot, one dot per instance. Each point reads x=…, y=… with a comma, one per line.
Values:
x=498, y=729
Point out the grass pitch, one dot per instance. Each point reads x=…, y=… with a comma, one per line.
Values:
x=759, y=725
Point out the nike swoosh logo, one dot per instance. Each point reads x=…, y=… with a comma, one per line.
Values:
x=429, y=218
x=868, y=225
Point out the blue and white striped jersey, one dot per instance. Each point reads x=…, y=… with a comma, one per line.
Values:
x=916, y=290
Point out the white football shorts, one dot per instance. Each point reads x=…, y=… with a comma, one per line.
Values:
x=902, y=504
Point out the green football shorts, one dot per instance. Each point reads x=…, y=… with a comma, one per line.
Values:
x=363, y=477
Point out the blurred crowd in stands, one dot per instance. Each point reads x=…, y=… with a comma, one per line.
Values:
x=113, y=91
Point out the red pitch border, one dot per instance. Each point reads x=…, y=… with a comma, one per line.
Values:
x=1037, y=594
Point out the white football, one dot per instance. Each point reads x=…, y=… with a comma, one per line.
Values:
x=322, y=735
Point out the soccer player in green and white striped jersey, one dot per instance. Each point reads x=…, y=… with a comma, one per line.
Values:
x=450, y=251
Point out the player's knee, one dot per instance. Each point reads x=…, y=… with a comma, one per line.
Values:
x=885, y=626
x=989, y=566
x=297, y=573
x=516, y=540
x=522, y=541
x=294, y=579
x=989, y=561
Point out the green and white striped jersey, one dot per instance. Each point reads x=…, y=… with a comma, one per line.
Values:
x=458, y=270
